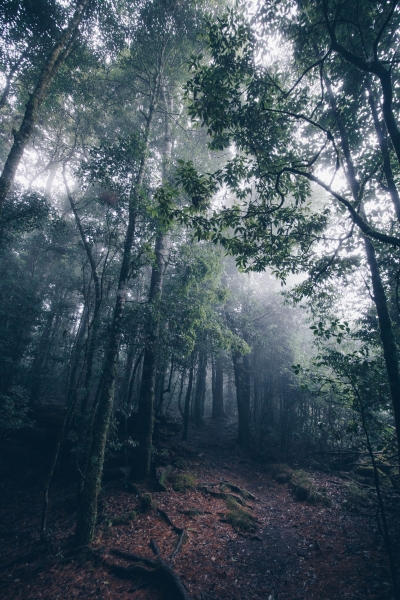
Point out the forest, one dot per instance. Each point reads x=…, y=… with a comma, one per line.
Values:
x=200, y=299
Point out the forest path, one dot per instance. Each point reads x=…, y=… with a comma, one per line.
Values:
x=297, y=552
x=300, y=551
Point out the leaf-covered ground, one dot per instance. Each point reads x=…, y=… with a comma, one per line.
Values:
x=291, y=550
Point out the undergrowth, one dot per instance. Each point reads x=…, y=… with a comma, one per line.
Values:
x=300, y=483
x=182, y=481
x=239, y=518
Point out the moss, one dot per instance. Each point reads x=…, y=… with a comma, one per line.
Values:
x=147, y=503
x=368, y=472
x=355, y=498
x=124, y=519
x=239, y=518
x=281, y=472
x=229, y=487
x=181, y=463
x=182, y=482
x=302, y=486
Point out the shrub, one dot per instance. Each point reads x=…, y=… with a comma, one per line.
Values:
x=281, y=473
x=182, y=481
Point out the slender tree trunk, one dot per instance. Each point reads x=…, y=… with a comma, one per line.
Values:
x=242, y=380
x=95, y=323
x=230, y=403
x=87, y=513
x=200, y=391
x=218, y=411
x=389, y=346
x=77, y=358
x=57, y=57
x=148, y=384
x=166, y=390
x=186, y=413
x=133, y=377
x=384, y=147
x=40, y=358
x=50, y=180
x=149, y=371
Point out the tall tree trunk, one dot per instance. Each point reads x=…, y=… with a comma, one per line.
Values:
x=390, y=351
x=98, y=291
x=242, y=380
x=200, y=391
x=186, y=412
x=148, y=384
x=149, y=371
x=218, y=411
x=166, y=390
x=57, y=57
x=136, y=369
x=230, y=400
x=87, y=513
x=41, y=355
x=389, y=346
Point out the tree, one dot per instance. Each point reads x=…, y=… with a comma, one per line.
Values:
x=59, y=53
x=254, y=109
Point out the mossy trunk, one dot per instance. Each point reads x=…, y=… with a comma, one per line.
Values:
x=149, y=372
x=87, y=513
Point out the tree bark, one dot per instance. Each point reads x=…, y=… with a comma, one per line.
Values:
x=218, y=411
x=95, y=323
x=242, y=380
x=149, y=372
x=148, y=384
x=389, y=346
x=186, y=412
x=41, y=356
x=390, y=351
x=384, y=147
x=87, y=514
x=200, y=391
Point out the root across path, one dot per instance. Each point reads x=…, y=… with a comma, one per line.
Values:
x=223, y=528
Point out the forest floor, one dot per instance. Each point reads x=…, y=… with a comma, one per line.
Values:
x=292, y=551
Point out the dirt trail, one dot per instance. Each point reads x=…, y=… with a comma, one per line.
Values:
x=297, y=551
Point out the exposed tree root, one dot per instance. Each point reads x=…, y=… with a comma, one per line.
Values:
x=157, y=571
x=166, y=518
x=222, y=495
x=179, y=544
x=235, y=488
x=180, y=531
x=135, y=558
